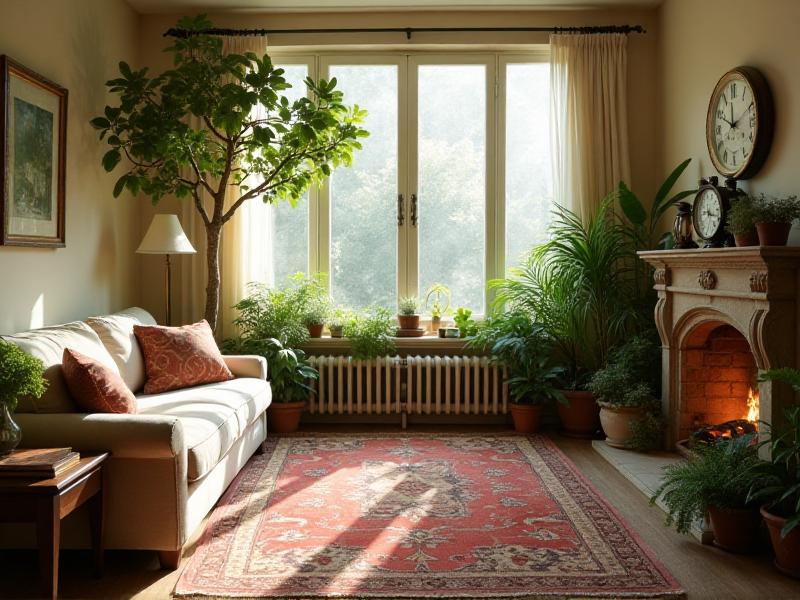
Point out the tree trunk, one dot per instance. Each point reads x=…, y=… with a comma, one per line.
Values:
x=212, y=258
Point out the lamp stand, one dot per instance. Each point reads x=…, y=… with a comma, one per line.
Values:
x=168, y=291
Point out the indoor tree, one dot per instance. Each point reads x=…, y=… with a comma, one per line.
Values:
x=217, y=121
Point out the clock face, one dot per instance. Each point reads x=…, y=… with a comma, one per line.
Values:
x=739, y=123
x=707, y=214
x=734, y=124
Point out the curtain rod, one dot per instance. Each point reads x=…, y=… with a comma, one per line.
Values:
x=184, y=33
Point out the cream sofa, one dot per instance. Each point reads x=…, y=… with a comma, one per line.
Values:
x=171, y=461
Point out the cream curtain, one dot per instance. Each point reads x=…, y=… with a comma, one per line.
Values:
x=588, y=118
x=247, y=237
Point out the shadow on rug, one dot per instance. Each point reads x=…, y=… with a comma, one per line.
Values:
x=418, y=516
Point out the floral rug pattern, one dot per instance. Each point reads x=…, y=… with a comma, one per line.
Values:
x=418, y=516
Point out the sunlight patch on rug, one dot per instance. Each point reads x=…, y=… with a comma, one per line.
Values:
x=418, y=516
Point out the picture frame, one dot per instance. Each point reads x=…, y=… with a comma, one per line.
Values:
x=33, y=130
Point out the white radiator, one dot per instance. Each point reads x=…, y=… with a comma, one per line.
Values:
x=416, y=385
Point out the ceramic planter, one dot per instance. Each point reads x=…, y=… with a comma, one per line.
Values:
x=616, y=422
x=336, y=330
x=284, y=417
x=581, y=417
x=746, y=239
x=787, y=549
x=436, y=322
x=735, y=529
x=10, y=433
x=526, y=417
x=408, y=321
x=773, y=234
x=315, y=331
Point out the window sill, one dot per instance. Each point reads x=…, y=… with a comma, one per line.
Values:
x=425, y=345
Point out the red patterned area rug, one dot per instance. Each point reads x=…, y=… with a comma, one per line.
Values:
x=418, y=516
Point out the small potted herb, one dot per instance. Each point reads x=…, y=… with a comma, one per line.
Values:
x=371, y=333
x=779, y=487
x=437, y=303
x=408, y=313
x=20, y=375
x=774, y=217
x=741, y=221
x=716, y=480
x=315, y=314
x=625, y=390
x=336, y=322
x=463, y=320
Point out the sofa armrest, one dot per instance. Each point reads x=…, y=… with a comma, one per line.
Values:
x=124, y=435
x=247, y=366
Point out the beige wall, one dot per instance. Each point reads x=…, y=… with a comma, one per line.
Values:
x=644, y=107
x=703, y=40
x=77, y=44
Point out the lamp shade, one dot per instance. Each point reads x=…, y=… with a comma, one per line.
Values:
x=165, y=236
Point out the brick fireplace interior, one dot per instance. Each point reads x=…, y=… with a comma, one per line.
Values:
x=718, y=378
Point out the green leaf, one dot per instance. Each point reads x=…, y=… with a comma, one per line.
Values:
x=120, y=185
x=631, y=205
x=100, y=123
x=111, y=159
x=668, y=184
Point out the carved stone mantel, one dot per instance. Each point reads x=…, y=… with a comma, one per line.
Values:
x=754, y=289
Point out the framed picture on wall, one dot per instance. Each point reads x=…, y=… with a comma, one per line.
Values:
x=33, y=129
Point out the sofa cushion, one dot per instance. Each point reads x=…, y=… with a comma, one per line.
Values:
x=212, y=416
x=48, y=345
x=94, y=387
x=180, y=357
x=116, y=333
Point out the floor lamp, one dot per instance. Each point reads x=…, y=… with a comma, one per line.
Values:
x=165, y=236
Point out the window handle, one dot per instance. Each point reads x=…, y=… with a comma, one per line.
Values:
x=401, y=210
x=413, y=210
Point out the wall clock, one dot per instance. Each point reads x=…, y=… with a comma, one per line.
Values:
x=740, y=122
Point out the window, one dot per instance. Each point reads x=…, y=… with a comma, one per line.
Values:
x=452, y=186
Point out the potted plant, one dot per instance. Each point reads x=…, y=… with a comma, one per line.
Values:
x=315, y=314
x=371, y=333
x=463, y=320
x=20, y=375
x=625, y=390
x=407, y=313
x=741, y=221
x=773, y=217
x=337, y=321
x=779, y=486
x=524, y=349
x=716, y=480
x=437, y=303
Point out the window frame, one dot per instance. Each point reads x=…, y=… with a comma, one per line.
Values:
x=496, y=61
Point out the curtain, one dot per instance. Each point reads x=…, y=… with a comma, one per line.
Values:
x=588, y=118
x=247, y=237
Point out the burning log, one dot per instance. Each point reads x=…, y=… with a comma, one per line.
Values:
x=724, y=431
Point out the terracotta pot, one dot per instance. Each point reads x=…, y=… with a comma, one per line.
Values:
x=408, y=321
x=773, y=234
x=735, y=529
x=581, y=417
x=315, y=331
x=746, y=239
x=284, y=417
x=336, y=331
x=787, y=549
x=616, y=422
x=526, y=417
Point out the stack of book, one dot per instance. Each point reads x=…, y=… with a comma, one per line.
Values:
x=39, y=463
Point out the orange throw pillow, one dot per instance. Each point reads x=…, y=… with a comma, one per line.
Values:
x=180, y=357
x=94, y=387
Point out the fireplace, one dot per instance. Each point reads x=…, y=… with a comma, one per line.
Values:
x=723, y=314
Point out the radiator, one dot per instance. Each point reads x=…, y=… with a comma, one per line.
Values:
x=414, y=385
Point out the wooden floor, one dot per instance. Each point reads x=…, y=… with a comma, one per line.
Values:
x=704, y=571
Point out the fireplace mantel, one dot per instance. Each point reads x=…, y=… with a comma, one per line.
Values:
x=753, y=289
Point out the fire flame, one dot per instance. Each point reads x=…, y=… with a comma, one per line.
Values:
x=752, y=406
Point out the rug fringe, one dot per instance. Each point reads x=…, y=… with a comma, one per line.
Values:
x=675, y=595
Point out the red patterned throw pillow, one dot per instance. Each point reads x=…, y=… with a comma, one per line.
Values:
x=180, y=357
x=94, y=387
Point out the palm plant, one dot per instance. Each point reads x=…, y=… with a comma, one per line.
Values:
x=578, y=287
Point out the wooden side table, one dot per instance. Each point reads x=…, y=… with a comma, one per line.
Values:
x=47, y=501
